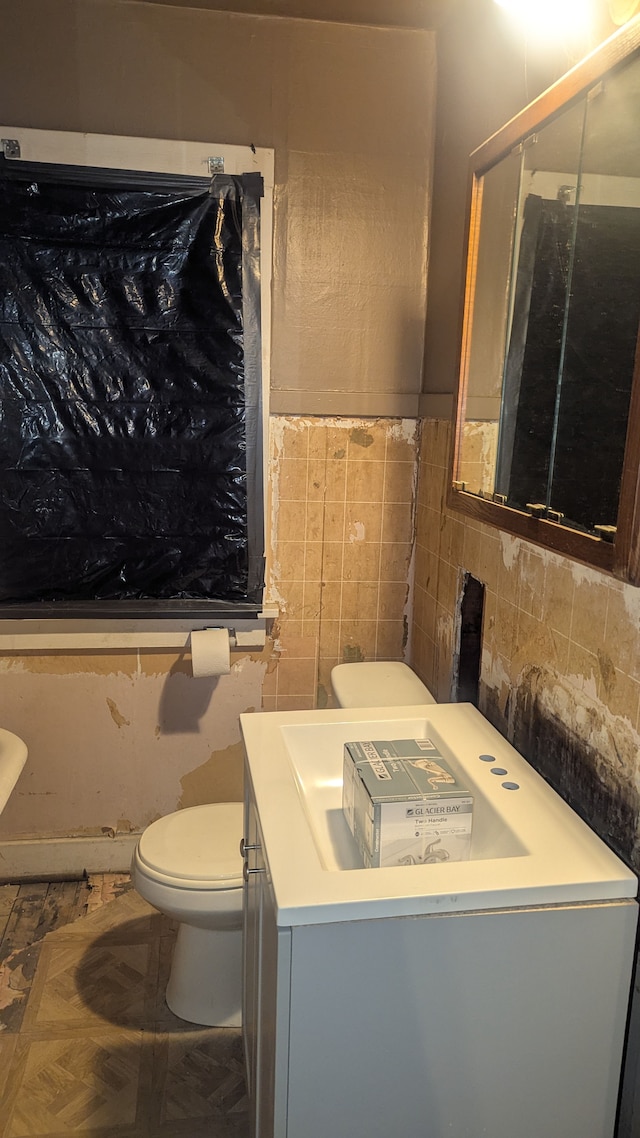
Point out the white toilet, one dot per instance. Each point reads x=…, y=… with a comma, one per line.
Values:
x=188, y=865
x=378, y=683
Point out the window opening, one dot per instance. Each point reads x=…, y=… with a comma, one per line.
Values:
x=130, y=388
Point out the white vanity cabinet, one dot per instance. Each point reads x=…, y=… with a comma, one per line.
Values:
x=373, y=1009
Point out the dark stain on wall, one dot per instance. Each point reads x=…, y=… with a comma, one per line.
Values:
x=602, y=795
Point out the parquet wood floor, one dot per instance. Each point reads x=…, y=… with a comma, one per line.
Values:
x=88, y=1046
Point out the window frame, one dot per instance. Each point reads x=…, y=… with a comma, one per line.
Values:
x=170, y=158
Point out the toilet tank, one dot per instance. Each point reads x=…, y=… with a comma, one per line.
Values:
x=378, y=683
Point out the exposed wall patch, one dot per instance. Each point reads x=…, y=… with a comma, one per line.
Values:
x=469, y=640
x=118, y=718
x=361, y=438
x=219, y=779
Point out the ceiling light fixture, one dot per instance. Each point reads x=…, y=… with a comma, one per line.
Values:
x=547, y=19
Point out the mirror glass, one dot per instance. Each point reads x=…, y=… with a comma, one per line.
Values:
x=552, y=310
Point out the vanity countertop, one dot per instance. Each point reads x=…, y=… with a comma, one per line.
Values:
x=528, y=848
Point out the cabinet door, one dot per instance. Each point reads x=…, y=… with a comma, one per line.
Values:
x=267, y=968
x=251, y=946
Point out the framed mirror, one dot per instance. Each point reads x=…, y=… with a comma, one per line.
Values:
x=547, y=438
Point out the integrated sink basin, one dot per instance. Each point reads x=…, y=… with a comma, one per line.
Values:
x=528, y=846
x=13, y=756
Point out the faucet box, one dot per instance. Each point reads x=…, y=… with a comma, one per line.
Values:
x=404, y=805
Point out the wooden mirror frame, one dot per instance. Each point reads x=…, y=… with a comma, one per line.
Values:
x=621, y=556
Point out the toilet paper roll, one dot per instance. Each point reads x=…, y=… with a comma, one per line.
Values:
x=210, y=652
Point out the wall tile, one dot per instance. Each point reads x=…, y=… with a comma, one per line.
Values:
x=292, y=598
x=313, y=560
x=508, y=580
x=449, y=585
x=360, y=598
x=294, y=703
x=343, y=593
x=390, y=640
x=312, y=599
x=358, y=639
x=313, y=521
x=394, y=561
x=363, y=522
x=365, y=481
x=434, y=489
x=589, y=614
x=398, y=481
x=361, y=562
x=558, y=597
x=316, y=480
x=397, y=523
x=532, y=583
x=290, y=556
x=401, y=449
x=301, y=647
x=293, y=519
x=298, y=441
x=296, y=677
x=392, y=598
x=292, y=479
x=329, y=639
x=488, y=559
x=324, y=688
x=333, y=556
x=623, y=629
x=472, y=542
x=331, y=599
x=506, y=626
x=583, y=668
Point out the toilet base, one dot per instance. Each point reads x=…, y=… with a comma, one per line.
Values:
x=205, y=985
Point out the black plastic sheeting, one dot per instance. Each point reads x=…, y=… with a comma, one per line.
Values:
x=570, y=362
x=129, y=423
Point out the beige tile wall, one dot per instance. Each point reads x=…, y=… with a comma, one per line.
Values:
x=342, y=503
x=567, y=631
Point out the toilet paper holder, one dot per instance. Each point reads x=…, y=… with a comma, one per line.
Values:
x=251, y=638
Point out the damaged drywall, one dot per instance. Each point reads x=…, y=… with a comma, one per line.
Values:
x=223, y=769
x=108, y=750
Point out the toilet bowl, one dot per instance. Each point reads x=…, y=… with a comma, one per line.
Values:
x=188, y=866
x=13, y=756
x=378, y=683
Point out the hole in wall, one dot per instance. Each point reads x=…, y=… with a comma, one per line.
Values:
x=469, y=640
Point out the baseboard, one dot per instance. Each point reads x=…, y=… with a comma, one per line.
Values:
x=54, y=859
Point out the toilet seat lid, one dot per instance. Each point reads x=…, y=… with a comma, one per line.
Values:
x=199, y=844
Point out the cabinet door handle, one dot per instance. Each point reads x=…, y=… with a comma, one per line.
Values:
x=244, y=846
x=246, y=871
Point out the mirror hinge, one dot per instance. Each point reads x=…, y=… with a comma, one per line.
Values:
x=607, y=533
